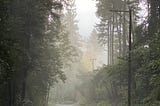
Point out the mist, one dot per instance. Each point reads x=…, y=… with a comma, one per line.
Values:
x=79, y=53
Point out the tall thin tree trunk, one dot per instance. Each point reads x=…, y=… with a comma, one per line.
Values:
x=108, y=42
x=118, y=26
x=112, y=42
x=124, y=29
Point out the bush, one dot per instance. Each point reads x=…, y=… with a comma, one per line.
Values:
x=103, y=103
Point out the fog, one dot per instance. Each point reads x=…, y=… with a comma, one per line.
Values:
x=79, y=53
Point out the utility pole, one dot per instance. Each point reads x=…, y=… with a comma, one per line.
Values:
x=92, y=62
x=129, y=58
x=129, y=53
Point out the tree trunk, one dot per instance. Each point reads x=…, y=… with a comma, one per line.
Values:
x=118, y=25
x=124, y=30
x=112, y=42
x=109, y=25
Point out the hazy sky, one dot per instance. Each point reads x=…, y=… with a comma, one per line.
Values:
x=86, y=16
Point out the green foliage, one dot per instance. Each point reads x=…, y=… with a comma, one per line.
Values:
x=103, y=103
x=30, y=59
x=110, y=83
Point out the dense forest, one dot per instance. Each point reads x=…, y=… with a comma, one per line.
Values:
x=109, y=85
x=33, y=49
x=43, y=60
